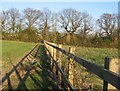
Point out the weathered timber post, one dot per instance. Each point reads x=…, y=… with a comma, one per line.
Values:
x=55, y=58
x=114, y=66
x=52, y=50
x=106, y=66
x=47, y=46
x=52, y=54
x=55, y=70
x=71, y=66
x=59, y=63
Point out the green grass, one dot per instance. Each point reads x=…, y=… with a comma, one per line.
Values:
x=96, y=55
x=37, y=78
x=13, y=51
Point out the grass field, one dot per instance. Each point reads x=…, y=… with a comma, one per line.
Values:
x=12, y=52
x=31, y=73
x=95, y=55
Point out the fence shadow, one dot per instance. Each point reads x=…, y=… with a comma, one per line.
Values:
x=35, y=74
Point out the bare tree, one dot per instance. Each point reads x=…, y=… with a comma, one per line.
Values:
x=20, y=24
x=14, y=16
x=54, y=26
x=46, y=23
x=70, y=20
x=107, y=24
x=4, y=21
x=87, y=25
x=114, y=26
x=31, y=16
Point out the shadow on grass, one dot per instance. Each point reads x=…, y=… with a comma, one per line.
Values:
x=38, y=75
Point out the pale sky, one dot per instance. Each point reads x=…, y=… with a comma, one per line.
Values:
x=95, y=9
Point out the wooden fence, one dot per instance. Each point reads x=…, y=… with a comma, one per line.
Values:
x=107, y=74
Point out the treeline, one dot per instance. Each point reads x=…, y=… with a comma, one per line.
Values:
x=78, y=28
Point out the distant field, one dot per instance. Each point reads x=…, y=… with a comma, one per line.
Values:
x=95, y=55
x=12, y=52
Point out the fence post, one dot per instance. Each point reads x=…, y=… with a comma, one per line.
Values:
x=71, y=65
x=47, y=46
x=114, y=66
x=54, y=57
x=106, y=66
x=59, y=63
x=54, y=52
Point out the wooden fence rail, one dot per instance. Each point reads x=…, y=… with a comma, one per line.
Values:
x=63, y=75
x=105, y=74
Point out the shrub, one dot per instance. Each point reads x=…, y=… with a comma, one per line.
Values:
x=29, y=36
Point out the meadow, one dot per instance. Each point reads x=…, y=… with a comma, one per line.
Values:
x=24, y=77
x=82, y=76
x=13, y=52
x=97, y=56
